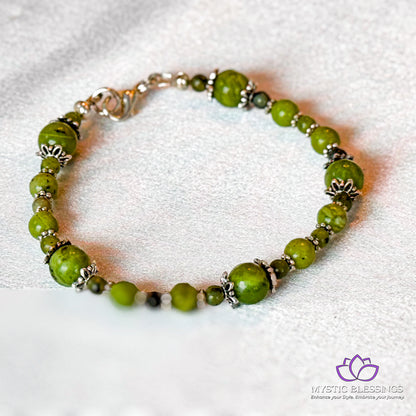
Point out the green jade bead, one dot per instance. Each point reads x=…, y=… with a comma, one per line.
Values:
x=343, y=170
x=198, y=82
x=228, y=86
x=74, y=116
x=333, y=215
x=321, y=235
x=43, y=204
x=184, y=297
x=280, y=267
x=59, y=133
x=283, y=112
x=51, y=163
x=42, y=221
x=48, y=242
x=302, y=252
x=214, y=295
x=322, y=137
x=123, y=293
x=43, y=182
x=251, y=284
x=304, y=123
x=66, y=263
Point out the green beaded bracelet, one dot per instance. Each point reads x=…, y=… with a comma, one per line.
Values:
x=247, y=283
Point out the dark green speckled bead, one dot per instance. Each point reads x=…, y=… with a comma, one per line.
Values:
x=198, y=82
x=42, y=221
x=59, y=133
x=41, y=204
x=48, y=242
x=51, y=163
x=333, y=215
x=343, y=170
x=96, y=284
x=304, y=123
x=283, y=112
x=280, y=267
x=228, y=86
x=66, y=263
x=343, y=199
x=214, y=295
x=321, y=137
x=184, y=297
x=251, y=284
x=321, y=235
x=260, y=99
x=302, y=252
x=43, y=182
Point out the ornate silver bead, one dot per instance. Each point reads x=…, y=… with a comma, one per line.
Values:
x=56, y=152
x=295, y=119
x=247, y=95
x=311, y=129
x=271, y=275
x=338, y=187
x=290, y=262
x=228, y=288
x=85, y=274
x=210, y=84
x=52, y=250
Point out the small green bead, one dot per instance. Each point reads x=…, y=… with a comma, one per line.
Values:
x=214, y=295
x=343, y=199
x=304, y=123
x=59, y=133
x=123, y=293
x=42, y=221
x=260, y=99
x=41, y=204
x=283, y=112
x=343, y=170
x=48, y=242
x=66, y=263
x=302, y=252
x=96, y=284
x=184, y=297
x=321, y=235
x=280, y=267
x=198, y=82
x=74, y=116
x=321, y=137
x=43, y=182
x=251, y=284
x=51, y=163
x=333, y=215
x=228, y=86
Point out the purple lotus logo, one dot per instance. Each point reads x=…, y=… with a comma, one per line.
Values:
x=357, y=369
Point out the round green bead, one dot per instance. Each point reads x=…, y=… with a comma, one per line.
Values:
x=42, y=221
x=280, y=267
x=43, y=182
x=283, y=112
x=251, y=284
x=333, y=215
x=343, y=199
x=51, y=163
x=123, y=293
x=96, y=284
x=59, y=133
x=74, y=116
x=214, y=295
x=228, y=86
x=184, y=297
x=66, y=263
x=48, y=242
x=304, y=123
x=198, y=82
x=322, y=137
x=302, y=251
x=260, y=99
x=343, y=170
x=321, y=235
x=41, y=204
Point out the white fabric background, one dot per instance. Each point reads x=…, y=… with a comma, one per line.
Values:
x=188, y=189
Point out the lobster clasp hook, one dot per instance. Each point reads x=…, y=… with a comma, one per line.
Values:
x=159, y=80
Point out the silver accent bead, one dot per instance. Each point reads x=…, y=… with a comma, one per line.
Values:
x=54, y=151
x=311, y=129
x=326, y=227
x=50, y=171
x=82, y=107
x=181, y=80
x=43, y=194
x=47, y=233
x=140, y=297
x=85, y=274
x=166, y=301
x=247, y=95
x=334, y=153
x=209, y=87
x=314, y=241
x=338, y=187
x=52, y=250
x=273, y=281
x=201, y=299
x=269, y=106
x=290, y=262
x=295, y=119
x=228, y=288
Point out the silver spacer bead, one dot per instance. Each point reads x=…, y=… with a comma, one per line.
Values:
x=247, y=95
x=314, y=241
x=108, y=285
x=54, y=151
x=181, y=80
x=295, y=119
x=140, y=297
x=85, y=274
x=201, y=299
x=210, y=84
x=311, y=129
x=338, y=187
x=82, y=107
x=43, y=194
x=50, y=171
x=166, y=301
x=326, y=227
x=52, y=250
x=271, y=275
x=40, y=209
x=47, y=233
x=269, y=106
x=290, y=262
x=228, y=288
